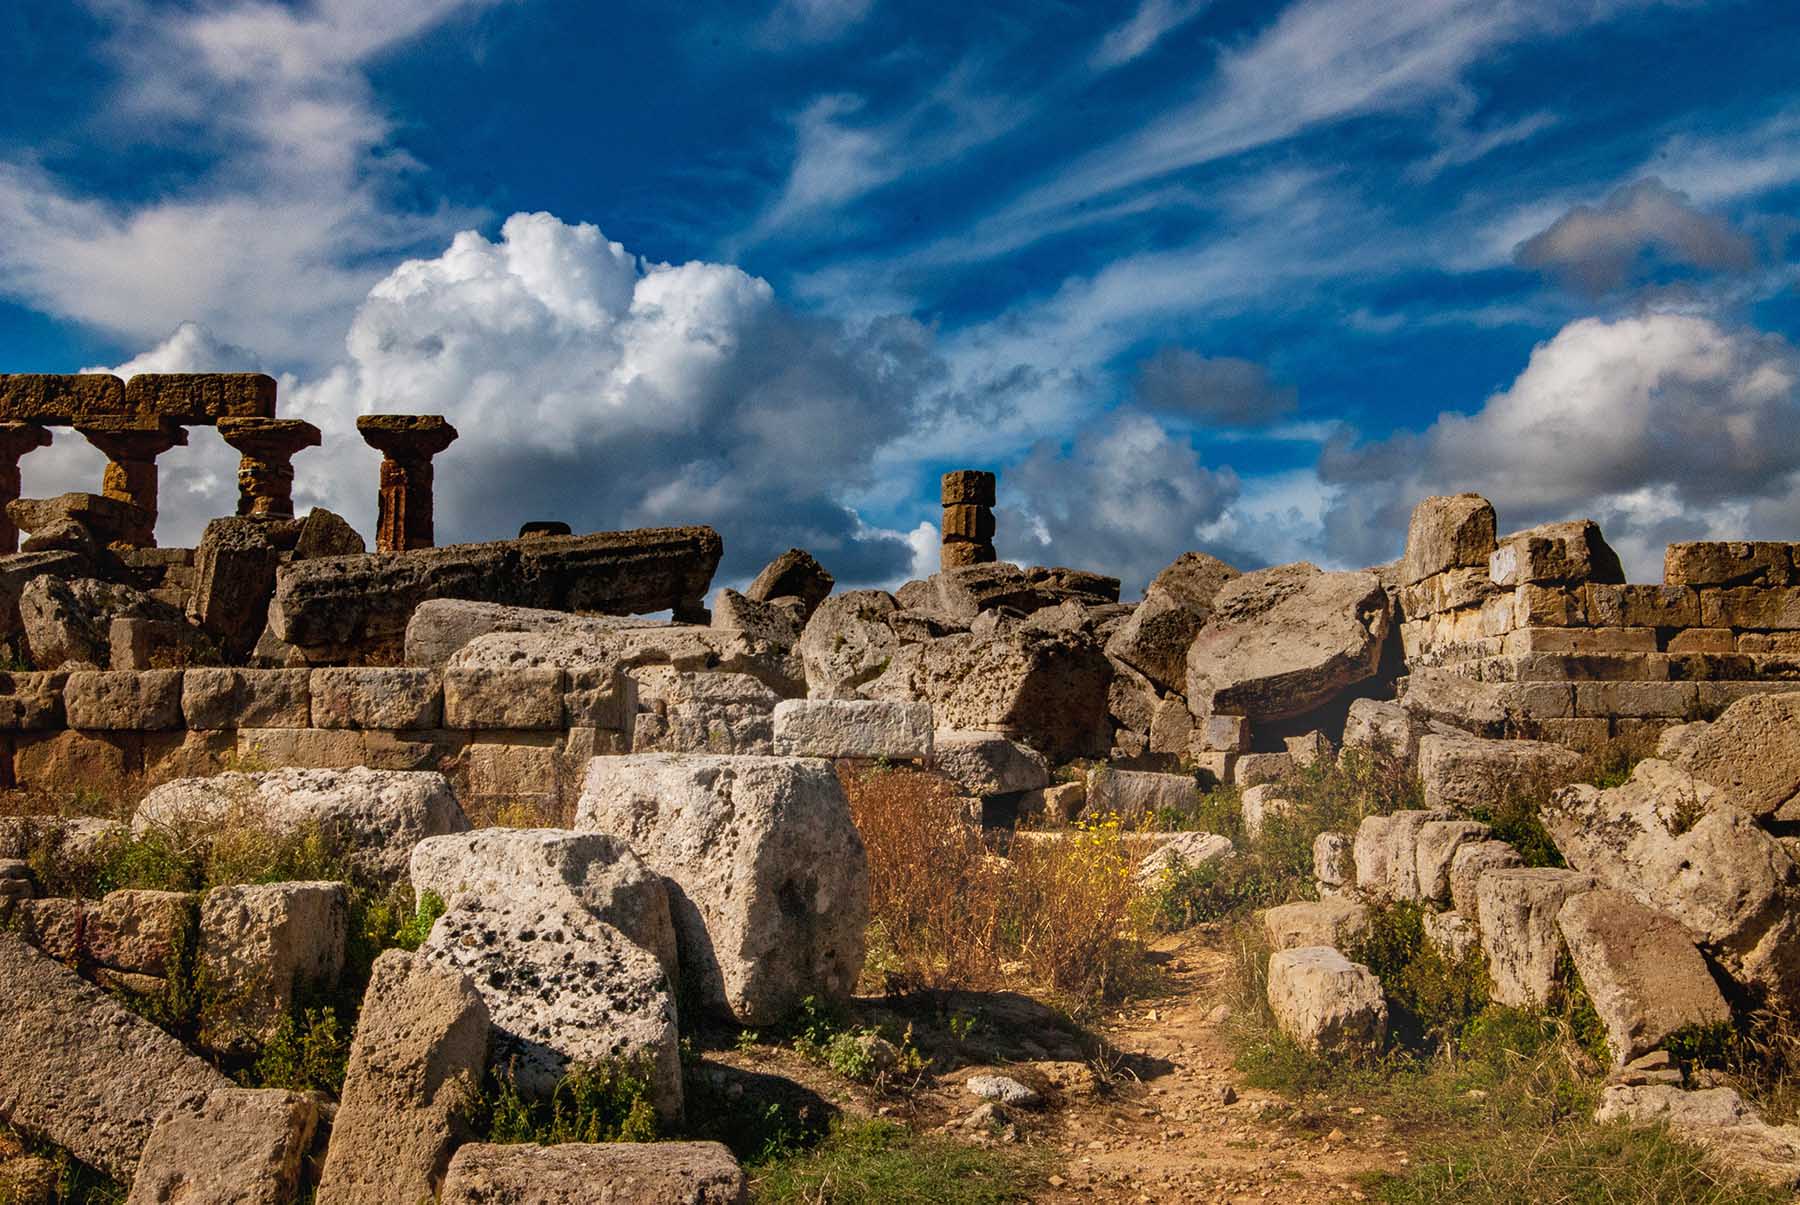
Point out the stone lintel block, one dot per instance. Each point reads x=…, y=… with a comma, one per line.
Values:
x=1774, y=609
x=1636, y=699
x=246, y=698
x=1707, y=640
x=386, y=697
x=124, y=700
x=1729, y=563
x=1642, y=606
x=59, y=399
x=201, y=398
x=1580, y=640
x=970, y=487
x=302, y=748
x=969, y=523
x=484, y=698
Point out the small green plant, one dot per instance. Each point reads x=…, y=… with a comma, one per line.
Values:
x=962, y=1024
x=822, y=1033
x=747, y=1040
x=876, y=1162
x=1514, y=817
x=309, y=1051
x=593, y=1102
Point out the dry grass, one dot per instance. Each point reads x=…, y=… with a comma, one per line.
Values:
x=947, y=913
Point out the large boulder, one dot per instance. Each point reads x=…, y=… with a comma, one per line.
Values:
x=793, y=574
x=82, y=1072
x=1283, y=641
x=1463, y=772
x=1640, y=969
x=563, y=988
x=848, y=642
x=1448, y=532
x=69, y=623
x=1717, y=1119
x=1751, y=752
x=1154, y=639
x=613, y=1173
x=336, y=607
x=772, y=881
x=414, y=1079
x=234, y=578
x=1327, y=1003
x=376, y=815
x=1677, y=845
x=967, y=591
x=597, y=871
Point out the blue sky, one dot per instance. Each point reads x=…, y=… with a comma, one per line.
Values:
x=1245, y=277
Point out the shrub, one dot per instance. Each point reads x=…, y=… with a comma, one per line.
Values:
x=595, y=1102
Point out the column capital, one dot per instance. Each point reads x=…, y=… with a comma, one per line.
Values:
x=406, y=436
x=133, y=437
x=269, y=438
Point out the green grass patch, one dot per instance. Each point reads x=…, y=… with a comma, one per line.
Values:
x=601, y=1102
x=881, y=1163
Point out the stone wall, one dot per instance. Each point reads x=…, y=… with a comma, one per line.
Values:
x=505, y=736
x=1538, y=635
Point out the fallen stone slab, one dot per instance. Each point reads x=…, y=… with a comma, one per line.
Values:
x=1640, y=969
x=416, y=1067
x=331, y=606
x=1283, y=641
x=1679, y=846
x=793, y=574
x=262, y=945
x=1129, y=794
x=1435, y=850
x=773, y=882
x=986, y=763
x=377, y=815
x=441, y=626
x=871, y=728
x=1517, y=913
x=1751, y=752
x=614, y=1173
x=1327, y=1003
x=1387, y=854
x=1715, y=1118
x=1469, y=863
x=1179, y=851
x=1463, y=772
x=1154, y=639
x=779, y=622
x=597, y=871
x=702, y=713
x=243, y=1146
x=1448, y=532
x=563, y=989
x=97, y=1076
x=1381, y=727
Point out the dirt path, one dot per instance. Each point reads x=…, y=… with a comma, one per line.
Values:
x=1170, y=1135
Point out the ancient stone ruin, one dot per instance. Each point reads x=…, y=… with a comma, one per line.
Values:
x=634, y=824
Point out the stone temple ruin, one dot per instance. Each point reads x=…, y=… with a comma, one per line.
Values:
x=498, y=723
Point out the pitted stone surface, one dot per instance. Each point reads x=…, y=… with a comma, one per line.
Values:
x=852, y=728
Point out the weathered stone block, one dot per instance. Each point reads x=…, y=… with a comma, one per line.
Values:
x=1573, y=551
x=32, y=702
x=852, y=728
x=1705, y=640
x=1461, y=772
x=1536, y=606
x=1438, y=843
x=415, y=1074
x=968, y=522
x=693, y=1173
x=986, y=763
x=1728, y=563
x=968, y=487
x=1517, y=911
x=246, y=698
x=260, y=945
x=376, y=698
x=1261, y=804
x=103, y=762
x=124, y=701
x=1338, y=924
x=1386, y=853
x=1761, y=609
x=1129, y=794
x=242, y=1146
x=1637, y=699
x=60, y=399
x=793, y=574
x=201, y=398
x=186, y=754
x=1579, y=640
x=1445, y=533
x=1327, y=1003
x=1227, y=733
x=1255, y=769
x=503, y=698
x=1619, y=606
x=304, y=748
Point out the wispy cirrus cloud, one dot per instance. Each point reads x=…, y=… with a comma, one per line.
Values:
x=1140, y=32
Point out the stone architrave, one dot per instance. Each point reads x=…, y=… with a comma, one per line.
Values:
x=16, y=439
x=266, y=472
x=407, y=442
x=131, y=446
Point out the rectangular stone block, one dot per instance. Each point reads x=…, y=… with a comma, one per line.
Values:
x=172, y=755
x=1704, y=640
x=968, y=486
x=1537, y=700
x=420, y=750
x=1536, y=606
x=305, y=748
x=500, y=776
x=1227, y=733
x=1580, y=640
x=1643, y=606
x=852, y=728
x=503, y=698
x=1774, y=609
x=1728, y=563
x=1636, y=699
x=242, y=1145
x=124, y=700
x=974, y=524
x=215, y=699
x=1450, y=590
x=59, y=400
x=1213, y=767
x=1582, y=735
x=105, y=763
x=32, y=702
x=1785, y=644
x=201, y=398
x=1498, y=614
x=1643, y=732
x=1715, y=697
x=610, y=705
x=391, y=698
x=1710, y=667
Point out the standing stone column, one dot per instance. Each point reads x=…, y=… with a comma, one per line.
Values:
x=131, y=446
x=407, y=442
x=16, y=439
x=266, y=472
x=968, y=496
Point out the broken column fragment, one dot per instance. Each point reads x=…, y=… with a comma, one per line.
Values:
x=131, y=446
x=407, y=442
x=968, y=498
x=16, y=439
x=266, y=472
